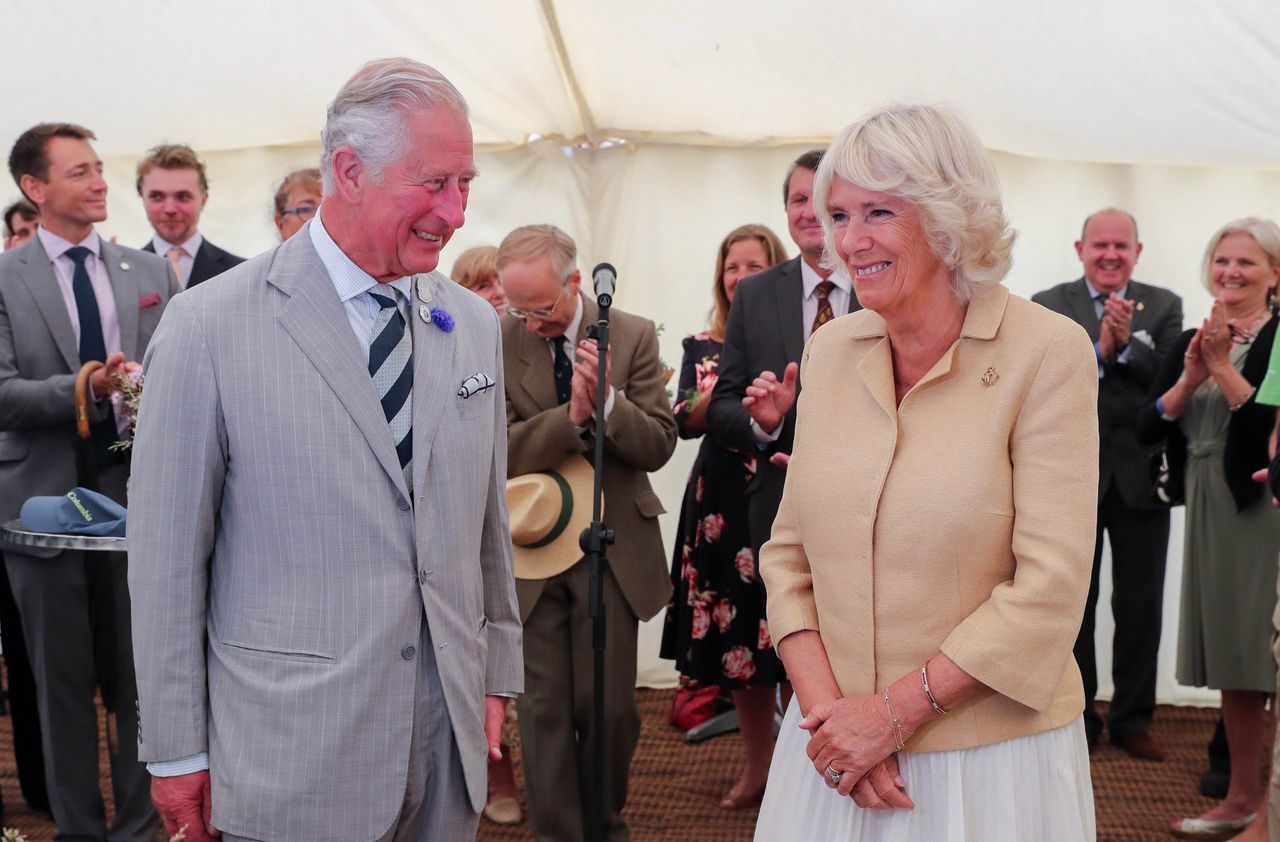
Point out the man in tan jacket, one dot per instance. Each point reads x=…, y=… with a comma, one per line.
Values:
x=551, y=371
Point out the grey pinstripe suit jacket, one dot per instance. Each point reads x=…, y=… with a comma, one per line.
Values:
x=279, y=574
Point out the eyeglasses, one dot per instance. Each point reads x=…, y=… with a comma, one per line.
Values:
x=303, y=212
x=541, y=312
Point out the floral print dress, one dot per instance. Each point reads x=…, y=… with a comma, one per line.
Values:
x=715, y=627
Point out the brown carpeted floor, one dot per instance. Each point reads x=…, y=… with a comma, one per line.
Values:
x=676, y=788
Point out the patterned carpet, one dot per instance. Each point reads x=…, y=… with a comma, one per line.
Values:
x=676, y=788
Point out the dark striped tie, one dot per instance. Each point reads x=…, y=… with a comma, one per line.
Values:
x=93, y=344
x=391, y=366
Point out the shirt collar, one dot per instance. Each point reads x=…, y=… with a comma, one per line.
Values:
x=571, y=332
x=55, y=246
x=1093, y=291
x=809, y=278
x=348, y=278
x=190, y=247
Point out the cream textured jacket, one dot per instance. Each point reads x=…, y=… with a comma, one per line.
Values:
x=961, y=521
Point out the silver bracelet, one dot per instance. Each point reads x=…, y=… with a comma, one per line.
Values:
x=1235, y=406
x=924, y=679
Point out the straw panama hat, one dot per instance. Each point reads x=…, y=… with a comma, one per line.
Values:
x=548, y=511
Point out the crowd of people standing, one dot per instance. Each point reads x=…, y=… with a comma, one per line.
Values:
x=939, y=681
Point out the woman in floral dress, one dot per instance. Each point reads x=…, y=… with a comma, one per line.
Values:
x=715, y=627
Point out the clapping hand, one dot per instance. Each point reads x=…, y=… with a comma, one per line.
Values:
x=1193, y=367
x=582, y=393
x=1117, y=325
x=769, y=399
x=1215, y=339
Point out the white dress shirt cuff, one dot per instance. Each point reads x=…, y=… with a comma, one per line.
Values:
x=608, y=404
x=763, y=438
x=184, y=766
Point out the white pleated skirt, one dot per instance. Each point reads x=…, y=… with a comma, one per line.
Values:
x=1029, y=788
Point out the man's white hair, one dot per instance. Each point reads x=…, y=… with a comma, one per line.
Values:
x=368, y=114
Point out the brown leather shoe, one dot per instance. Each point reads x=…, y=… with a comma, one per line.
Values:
x=1139, y=744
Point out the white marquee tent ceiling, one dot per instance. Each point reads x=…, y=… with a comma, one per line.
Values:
x=1190, y=82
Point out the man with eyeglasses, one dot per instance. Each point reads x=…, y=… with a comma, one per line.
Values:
x=174, y=191
x=551, y=369
x=297, y=200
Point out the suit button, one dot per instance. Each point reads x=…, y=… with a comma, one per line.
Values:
x=443, y=646
x=422, y=576
x=403, y=504
x=408, y=652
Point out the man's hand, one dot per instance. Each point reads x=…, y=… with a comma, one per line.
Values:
x=769, y=399
x=103, y=381
x=1118, y=312
x=782, y=460
x=495, y=711
x=183, y=802
x=582, y=395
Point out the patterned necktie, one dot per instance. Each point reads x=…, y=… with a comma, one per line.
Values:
x=93, y=344
x=174, y=256
x=563, y=370
x=391, y=366
x=825, y=313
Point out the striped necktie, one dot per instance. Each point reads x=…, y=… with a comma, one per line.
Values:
x=391, y=366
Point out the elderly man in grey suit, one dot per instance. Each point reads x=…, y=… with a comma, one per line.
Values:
x=68, y=297
x=324, y=607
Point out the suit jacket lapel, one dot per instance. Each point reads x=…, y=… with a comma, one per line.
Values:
x=790, y=293
x=315, y=319
x=433, y=351
x=1082, y=309
x=37, y=273
x=1137, y=293
x=124, y=288
x=533, y=373
x=203, y=266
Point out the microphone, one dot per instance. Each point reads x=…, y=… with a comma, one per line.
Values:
x=605, y=278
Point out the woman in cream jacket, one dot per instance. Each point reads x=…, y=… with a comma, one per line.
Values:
x=930, y=560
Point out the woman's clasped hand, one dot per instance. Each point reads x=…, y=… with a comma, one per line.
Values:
x=853, y=748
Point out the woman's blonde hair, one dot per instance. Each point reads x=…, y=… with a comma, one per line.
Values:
x=1264, y=232
x=931, y=157
x=774, y=253
x=474, y=265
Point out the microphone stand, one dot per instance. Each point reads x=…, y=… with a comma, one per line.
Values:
x=594, y=540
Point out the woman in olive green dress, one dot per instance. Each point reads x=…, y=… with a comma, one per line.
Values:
x=1206, y=405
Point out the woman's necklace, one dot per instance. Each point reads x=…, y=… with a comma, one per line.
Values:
x=1244, y=334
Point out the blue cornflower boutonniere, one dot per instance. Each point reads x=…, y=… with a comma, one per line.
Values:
x=438, y=316
x=441, y=319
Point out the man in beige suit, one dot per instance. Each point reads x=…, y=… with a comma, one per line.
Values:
x=551, y=386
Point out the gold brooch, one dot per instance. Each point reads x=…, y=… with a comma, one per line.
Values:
x=989, y=376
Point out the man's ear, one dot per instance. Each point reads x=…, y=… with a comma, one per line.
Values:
x=575, y=281
x=349, y=174
x=32, y=188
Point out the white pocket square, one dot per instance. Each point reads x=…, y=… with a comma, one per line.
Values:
x=1145, y=338
x=476, y=384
